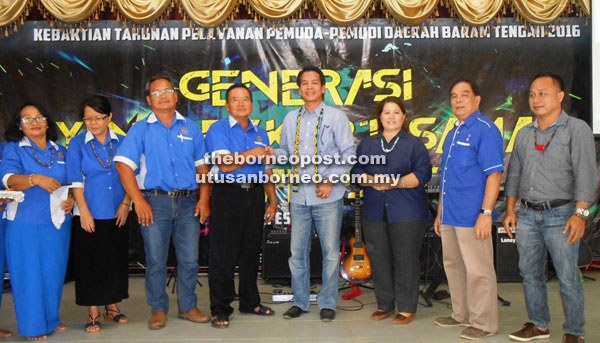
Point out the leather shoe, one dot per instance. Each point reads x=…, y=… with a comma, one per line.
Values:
x=570, y=338
x=195, y=315
x=380, y=315
x=327, y=314
x=158, y=320
x=293, y=312
x=402, y=319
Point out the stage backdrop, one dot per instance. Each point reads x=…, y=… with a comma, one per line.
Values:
x=363, y=64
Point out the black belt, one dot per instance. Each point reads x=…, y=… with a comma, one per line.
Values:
x=546, y=205
x=175, y=193
x=237, y=185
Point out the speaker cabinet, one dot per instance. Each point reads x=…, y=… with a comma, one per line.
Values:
x=432, y=262
x=276, y=252
x=506, y=257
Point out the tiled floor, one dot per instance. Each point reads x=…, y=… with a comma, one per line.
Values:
x=351, y=325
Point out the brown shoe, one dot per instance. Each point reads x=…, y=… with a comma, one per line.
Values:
x=570, y=338
x=158, y=320
x=448, y=322
x=5, y=333
x=195, y=315
x=380, y=314
x=474, y=333
x=529, y=332
x=402, y=319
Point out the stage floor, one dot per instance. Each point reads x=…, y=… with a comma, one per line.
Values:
x=351, y=325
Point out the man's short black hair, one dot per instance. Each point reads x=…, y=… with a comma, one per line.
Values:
x=159, y=76
x=558, y=80
x=474, y=86
x=234, y=86
x=311, y=68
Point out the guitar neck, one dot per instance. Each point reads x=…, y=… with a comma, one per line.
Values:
x=357, y=224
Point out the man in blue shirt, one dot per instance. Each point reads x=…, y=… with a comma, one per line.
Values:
x=316, y=130
x=471, y=172
x=168, y=150
x=237, y=237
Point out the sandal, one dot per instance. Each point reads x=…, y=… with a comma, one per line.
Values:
x=115, y=318
x=260, y=310
x=220, y=321
x=94, y=323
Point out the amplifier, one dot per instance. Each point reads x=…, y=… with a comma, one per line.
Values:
x=432, y=262
x=276, y=252
x=506, y=257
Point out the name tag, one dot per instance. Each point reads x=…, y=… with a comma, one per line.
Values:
x=463, y=143
x=260, y=143
x=60, y=162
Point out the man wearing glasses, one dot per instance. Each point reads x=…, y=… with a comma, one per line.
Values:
x=167, y=150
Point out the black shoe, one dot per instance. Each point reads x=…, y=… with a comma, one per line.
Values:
x=327, y=314
x=293, y=312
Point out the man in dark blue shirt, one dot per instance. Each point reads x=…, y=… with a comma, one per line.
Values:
x=471, y=172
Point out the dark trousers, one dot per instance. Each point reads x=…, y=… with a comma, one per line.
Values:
x=236, y=224
x=394, y=251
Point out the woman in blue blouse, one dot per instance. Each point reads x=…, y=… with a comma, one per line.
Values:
x=100, y=243
x=37, y=231
x=394, y=213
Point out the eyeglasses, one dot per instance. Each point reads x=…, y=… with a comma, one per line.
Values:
x=164, y=91
x=27, y=120
x=94, y=119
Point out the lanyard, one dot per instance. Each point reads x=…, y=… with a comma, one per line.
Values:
x=297, y=144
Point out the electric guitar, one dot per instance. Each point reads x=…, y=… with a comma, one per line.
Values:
x=356, y=266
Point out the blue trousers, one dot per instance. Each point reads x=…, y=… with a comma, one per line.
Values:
x=2, y=254
x=173, y=217
x=327, y=219
x=539, y=232
x=36, y=255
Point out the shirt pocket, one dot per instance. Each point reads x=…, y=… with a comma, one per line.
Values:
x=326, y=137
x=465, y=155
x=558, y=153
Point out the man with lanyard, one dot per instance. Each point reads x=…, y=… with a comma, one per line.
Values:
x=471, y=172
x=553, y=171
x=237, y=237
x=316, y=130
x=168, y=150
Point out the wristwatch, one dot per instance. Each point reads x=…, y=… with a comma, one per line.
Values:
x=487, y=213
x=582, y=213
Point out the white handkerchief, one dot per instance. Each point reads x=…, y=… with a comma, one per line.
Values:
x=57, y=213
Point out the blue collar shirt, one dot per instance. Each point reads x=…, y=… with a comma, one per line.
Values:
x=164, y=157
x=102, y=187
x=19, y=159
x=227, y=136
x=335, y=139
x=472, y=150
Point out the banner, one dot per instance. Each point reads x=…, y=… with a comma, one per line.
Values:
x=363, y=64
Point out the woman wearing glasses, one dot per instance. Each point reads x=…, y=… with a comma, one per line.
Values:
x=37, y=229
x=100, y=242
x=395, y=212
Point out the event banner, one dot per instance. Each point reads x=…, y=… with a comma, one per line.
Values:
x=363, y=64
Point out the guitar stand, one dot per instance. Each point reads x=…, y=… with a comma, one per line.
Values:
x=173, y=277
x=430, y=291
x=355, y=290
